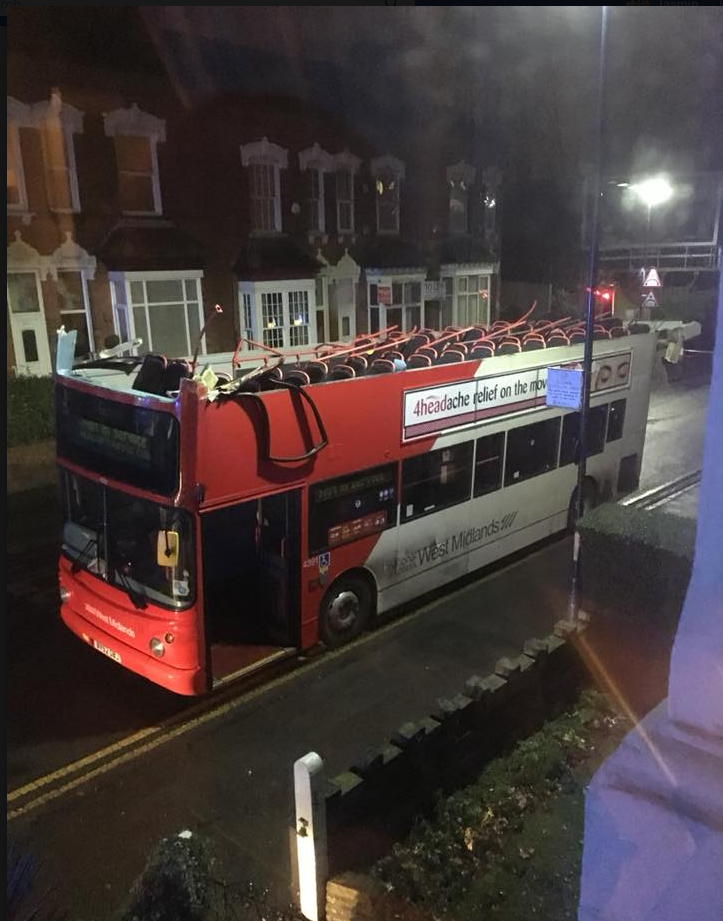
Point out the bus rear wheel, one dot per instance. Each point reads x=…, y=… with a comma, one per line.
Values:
x=589, y=501
x=345, y=611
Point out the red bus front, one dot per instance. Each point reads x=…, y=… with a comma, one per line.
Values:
x=128, y=570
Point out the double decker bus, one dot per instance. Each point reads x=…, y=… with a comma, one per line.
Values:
x=214, y=525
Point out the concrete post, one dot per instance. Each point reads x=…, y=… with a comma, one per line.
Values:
x=311, y=844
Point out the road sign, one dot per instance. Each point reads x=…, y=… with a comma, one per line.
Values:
x=649, y=300
x=564, y=387
x=652, y=280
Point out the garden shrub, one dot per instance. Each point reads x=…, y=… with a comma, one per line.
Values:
x=31, y=411
x=636, y=562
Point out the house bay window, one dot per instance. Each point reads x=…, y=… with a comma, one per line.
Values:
x=278, y=314
x=298, y=318
x=466, y=299
x=397, y=303
x=164, y=311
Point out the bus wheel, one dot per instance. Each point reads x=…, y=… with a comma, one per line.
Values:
x=345, y=611
x=589, y=501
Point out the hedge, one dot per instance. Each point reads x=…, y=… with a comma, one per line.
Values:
x=31, y=412
x=636, y=562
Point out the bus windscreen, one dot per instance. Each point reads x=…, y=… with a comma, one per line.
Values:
x=132, y=444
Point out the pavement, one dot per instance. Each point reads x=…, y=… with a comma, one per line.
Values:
x=228, y=775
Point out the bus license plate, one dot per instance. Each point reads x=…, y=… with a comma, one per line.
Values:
x=106, y=652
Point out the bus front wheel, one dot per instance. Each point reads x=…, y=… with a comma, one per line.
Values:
x=345, y=611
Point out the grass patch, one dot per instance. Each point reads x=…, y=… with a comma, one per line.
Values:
x=510, y=845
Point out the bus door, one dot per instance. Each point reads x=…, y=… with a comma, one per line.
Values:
x=251, y=572
x=278, y=558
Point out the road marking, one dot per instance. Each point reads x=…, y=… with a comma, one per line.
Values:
x=170, y=729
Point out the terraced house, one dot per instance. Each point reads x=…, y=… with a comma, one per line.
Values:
x=132, y=210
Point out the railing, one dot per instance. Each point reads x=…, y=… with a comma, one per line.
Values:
x=669, y=256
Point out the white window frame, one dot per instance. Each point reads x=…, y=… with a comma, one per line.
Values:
x=395, y=277
x=264, y=153
x=286, y=288
x=125, y=279
x=316, y=160
x=382, y=168
x=133, y=122
x=456, y=271
x=460, y=177
x=18, y=117
x=346, y=162
x=56, y=115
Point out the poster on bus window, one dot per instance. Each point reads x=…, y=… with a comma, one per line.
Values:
x=448, y=406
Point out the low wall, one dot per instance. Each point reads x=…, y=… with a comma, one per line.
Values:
x=375, y=802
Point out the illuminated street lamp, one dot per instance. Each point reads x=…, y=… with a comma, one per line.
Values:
x=651, y=192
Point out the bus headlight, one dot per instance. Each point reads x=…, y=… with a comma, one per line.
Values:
x=65, y=594
x=157, y=647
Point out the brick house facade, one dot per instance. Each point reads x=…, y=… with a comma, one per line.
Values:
x=130, y=214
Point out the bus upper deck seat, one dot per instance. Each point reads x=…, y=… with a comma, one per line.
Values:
x=509, y=346
x=298, y=377
x=317, y=370
x=577, y=336
x=619, y=332
x=476, y=332
x=419, y=360
x=451, y=356
x=341, y=373
x=533, y=341
x=557, y=338
x=151, y=377
x=358, y=362
x=482, y=351
x=178, y=369
x=381, y=366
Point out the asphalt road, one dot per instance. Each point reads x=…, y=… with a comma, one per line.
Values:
x=228, y=776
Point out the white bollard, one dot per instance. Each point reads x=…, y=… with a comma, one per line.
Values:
x=311, y=846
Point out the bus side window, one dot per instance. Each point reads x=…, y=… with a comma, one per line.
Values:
x=531, y=450
x=596, y=425
x=488, y=464
x=436, y=480
x=616, y=420
x=569, y=448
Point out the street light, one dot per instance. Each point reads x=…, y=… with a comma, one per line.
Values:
x=651, y=192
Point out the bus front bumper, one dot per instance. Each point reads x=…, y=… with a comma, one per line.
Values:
x=189, y=682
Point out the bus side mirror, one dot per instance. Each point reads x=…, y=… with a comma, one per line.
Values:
x=167, y=548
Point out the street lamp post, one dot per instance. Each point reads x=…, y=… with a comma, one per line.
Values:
x=573, y=601
x=651, y=192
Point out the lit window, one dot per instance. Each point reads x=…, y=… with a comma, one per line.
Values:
x=387, y=173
